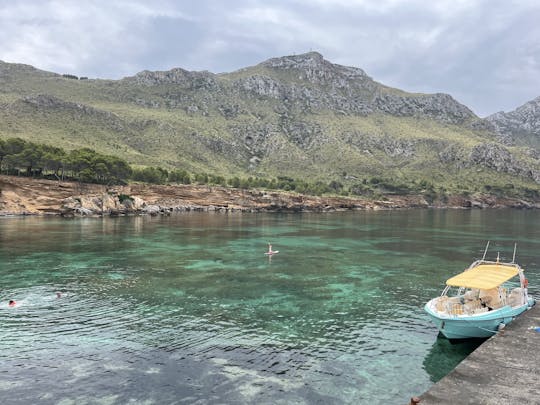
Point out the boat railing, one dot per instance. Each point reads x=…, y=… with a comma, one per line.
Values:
x=482, y=261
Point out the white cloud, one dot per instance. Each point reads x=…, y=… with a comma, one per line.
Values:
x=485, y=53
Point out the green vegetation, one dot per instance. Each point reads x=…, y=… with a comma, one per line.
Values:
x=24, y=158
x=233, y=130
x=18, y=156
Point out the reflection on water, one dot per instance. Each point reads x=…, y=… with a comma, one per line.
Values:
x=446, y=354
x=189, y=309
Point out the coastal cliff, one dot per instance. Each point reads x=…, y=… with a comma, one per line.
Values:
x=27, y=196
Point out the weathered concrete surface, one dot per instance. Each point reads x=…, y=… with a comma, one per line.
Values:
x=503, y=370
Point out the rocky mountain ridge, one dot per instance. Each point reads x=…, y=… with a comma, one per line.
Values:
x=519, y=126
x=313, y=84
x=299, y=116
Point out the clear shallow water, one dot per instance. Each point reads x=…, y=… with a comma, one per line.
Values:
x=188, y=309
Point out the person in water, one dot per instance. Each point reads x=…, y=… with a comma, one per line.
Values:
x=12, y=303
x=58, y=295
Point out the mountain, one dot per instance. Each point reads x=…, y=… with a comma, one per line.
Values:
x=299, y=116
x=521, y=126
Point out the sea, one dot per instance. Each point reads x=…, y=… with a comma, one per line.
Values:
x=188, y=309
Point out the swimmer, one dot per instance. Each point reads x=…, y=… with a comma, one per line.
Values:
x=12, y=303
x=58, y=295
x=270, y=251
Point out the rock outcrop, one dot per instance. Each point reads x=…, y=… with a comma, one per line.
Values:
x=108, y=203
x=441, y=107
x=56, y=105
x=176, y=76
x=26, y=196
x=521, y=126
x=316, y=84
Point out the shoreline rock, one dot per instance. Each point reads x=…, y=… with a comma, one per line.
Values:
x=22, y=196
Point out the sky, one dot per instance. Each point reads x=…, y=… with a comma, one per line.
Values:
x=485, y=53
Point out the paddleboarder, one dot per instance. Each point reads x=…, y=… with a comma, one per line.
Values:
x=270, y=251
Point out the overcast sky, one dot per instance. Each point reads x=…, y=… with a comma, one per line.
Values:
x=485, y=53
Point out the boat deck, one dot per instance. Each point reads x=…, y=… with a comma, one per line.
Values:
x=503, y=370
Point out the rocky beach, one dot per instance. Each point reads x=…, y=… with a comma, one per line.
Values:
x=28, y=196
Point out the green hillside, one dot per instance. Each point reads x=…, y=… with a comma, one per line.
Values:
x=298, y=116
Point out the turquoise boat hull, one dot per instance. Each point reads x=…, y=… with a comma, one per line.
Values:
x=475, y=326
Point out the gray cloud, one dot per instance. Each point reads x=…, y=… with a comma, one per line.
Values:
x=484, y=53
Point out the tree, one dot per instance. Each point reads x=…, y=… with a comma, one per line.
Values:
x=102, y=171
x=201, y=178
x=150, y=175
x=14, y=158
x=79, y=160
x=14, y=146
x=234, y=182
x=119, y=169
x=31, y=157
x=335, y=186
x=54, y=158
x=3, y=153
x=177, y=176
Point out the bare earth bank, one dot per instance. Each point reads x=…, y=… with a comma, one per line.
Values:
x=28, y=196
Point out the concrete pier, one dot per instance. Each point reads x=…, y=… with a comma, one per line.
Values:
x=503, y=370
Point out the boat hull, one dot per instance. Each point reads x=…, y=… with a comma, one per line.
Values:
x=474, y=326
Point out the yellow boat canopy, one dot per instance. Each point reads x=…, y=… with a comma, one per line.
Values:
x=484, y=276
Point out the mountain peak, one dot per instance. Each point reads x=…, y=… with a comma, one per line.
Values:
x=314, y=68
x=310, y=59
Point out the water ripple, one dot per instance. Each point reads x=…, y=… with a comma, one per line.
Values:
x=160, y=310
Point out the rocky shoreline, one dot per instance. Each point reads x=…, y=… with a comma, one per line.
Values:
x=27, y=196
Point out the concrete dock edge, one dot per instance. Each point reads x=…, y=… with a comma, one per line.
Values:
x=505, y=369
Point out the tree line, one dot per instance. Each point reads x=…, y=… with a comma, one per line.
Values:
x=20, y=157
x=25, y=158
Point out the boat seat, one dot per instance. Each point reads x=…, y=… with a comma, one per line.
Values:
x=492, y=298
x=517, y=291
x=471, y=294
x=441, y=303
x=516, y=297
x=489, y=294
x=471, y=306
x=456, y=309
x=496, y=304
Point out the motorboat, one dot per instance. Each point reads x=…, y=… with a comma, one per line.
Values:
x=482, y=300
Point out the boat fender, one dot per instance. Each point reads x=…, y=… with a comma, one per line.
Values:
x=501, y=326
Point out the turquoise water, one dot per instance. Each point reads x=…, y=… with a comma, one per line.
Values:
x=188, y=309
